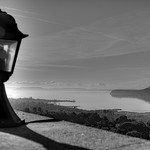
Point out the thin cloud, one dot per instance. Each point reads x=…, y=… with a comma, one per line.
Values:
x=38, y=66
x=56, y=84
x=18, y=10
x=107, y=35
x=39, y=19
x=30, y=13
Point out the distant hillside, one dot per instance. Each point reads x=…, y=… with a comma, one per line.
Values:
x=60, y=89
x=146, y=90
x=143, y=94
x=117, y=91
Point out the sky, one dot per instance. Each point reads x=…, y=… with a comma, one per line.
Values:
x=89, y=44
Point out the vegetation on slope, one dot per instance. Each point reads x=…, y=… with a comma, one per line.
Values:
x=132, y=124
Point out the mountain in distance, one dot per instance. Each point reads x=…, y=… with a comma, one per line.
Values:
x=59, y=89
x=142, y=94
x=146, y=90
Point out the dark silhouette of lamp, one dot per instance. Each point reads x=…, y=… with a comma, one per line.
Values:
x=10, y=40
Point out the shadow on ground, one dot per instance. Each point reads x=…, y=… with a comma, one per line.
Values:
x=42, y=121
x=24, y=132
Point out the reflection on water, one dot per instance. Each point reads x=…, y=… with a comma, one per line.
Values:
x=89, y=99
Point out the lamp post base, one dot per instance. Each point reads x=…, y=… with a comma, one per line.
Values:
x=8, y=117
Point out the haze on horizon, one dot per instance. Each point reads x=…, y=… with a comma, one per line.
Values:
x=94, y=44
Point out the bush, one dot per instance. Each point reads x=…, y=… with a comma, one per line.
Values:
x=134, y=134
x=34, y=109
x=140, y=127
x=121, y=119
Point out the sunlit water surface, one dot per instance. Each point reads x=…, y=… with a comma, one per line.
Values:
x=86, y=99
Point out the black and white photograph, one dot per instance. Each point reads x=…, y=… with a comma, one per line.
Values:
x=74, y=74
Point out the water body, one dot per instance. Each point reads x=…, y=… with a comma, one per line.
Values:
x=89, y=100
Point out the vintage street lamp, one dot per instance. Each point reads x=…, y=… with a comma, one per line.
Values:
x=10, y=40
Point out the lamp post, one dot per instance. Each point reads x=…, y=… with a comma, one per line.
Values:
x=10, y=40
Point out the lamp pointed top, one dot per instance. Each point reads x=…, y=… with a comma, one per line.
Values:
x=8, y=27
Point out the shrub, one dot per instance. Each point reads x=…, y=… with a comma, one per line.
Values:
x=34, y=109
x=134, y=134
x=140, y=127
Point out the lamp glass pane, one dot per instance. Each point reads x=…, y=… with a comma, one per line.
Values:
x=7, y=54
